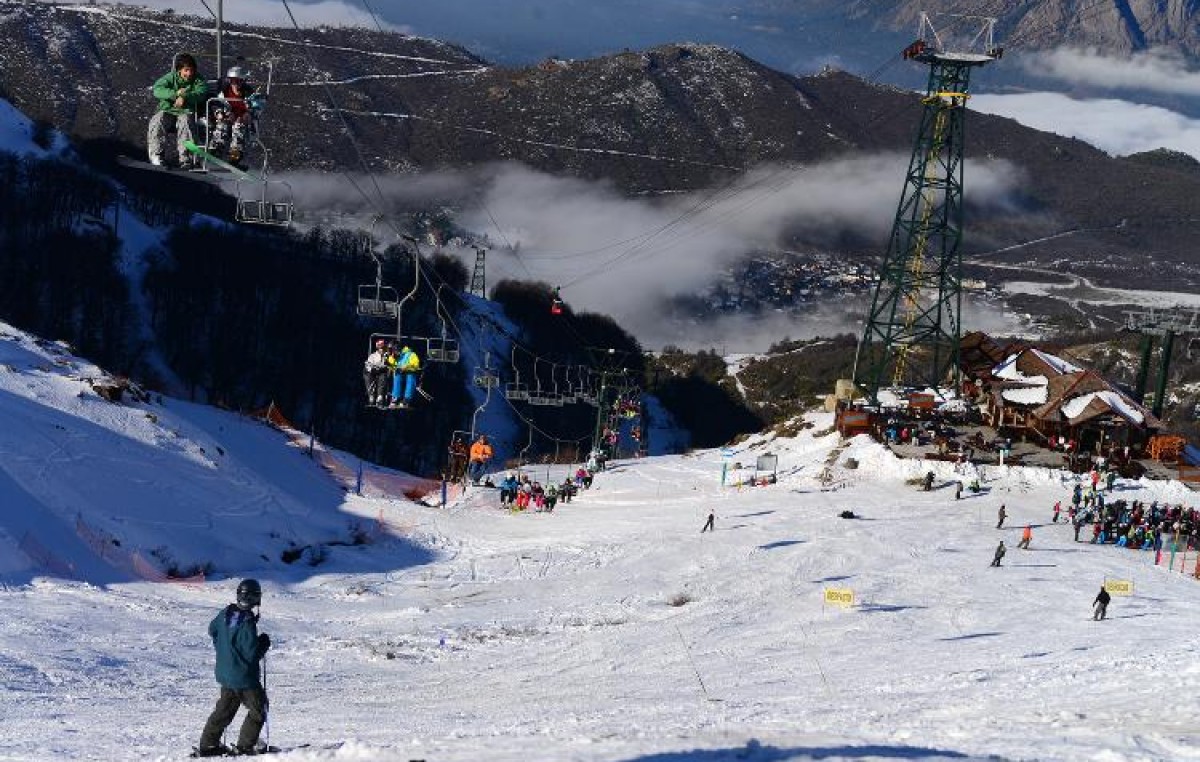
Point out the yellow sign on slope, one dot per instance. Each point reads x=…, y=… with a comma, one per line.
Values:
x=839, y=596
x=1119, y=586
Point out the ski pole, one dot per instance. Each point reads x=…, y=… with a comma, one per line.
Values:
x=266, y=704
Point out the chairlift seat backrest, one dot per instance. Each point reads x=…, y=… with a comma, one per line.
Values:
x=443, y=350
x=485, y=379
x=378, y=301
x=516, y=391
x=262, y=212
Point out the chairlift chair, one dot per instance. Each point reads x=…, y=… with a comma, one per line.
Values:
x=415, y=343
x=515, y=390
x=272, y=206
x=378, y=301
x=485, y=378
x=443, y=348
x=554, y=399
x=568, y=397
x=536, y=395
x=272, y=202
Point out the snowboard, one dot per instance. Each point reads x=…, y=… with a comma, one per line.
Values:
x=237, y=172
x=230, y=751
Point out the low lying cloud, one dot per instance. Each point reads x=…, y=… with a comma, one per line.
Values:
x=1116, y=126
x=268, y=12
x=1157, y=70
x=628, y=257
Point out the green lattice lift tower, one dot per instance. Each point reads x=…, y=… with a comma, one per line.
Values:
x=912, y=331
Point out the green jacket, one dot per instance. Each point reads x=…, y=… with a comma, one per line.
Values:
x=167, y=87
x=234, y=634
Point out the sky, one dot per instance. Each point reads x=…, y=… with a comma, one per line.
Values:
x=610, y=630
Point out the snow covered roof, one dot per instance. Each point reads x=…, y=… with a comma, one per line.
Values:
x=1030, y=365
x=1028, y=395
x=1056, y=362
x=1097, y=403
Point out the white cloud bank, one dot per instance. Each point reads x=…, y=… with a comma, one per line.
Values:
x=627, y=257
x=1157, y=70
x=1116, y=126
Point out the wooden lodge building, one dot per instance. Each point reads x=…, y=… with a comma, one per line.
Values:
x=1049, y=400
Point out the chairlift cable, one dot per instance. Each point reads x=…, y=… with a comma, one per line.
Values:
x=210, y=12
x=374, y=18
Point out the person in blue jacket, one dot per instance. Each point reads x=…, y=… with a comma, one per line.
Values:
x=406, y=367
x=240, y=648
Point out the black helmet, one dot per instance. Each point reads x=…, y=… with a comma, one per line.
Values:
x=249, y=594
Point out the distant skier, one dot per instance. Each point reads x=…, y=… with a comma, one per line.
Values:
x=708, y=525
x=999, y=554
x=1057, y=510
x=928, y=481
x=239, y=648
x=1101, y=604
x=1026, y=537
x=958, y=491
x=1002, y=514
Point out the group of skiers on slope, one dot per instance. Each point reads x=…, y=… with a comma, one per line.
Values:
x=399, y=366
x=183, y=96
x=519, y=493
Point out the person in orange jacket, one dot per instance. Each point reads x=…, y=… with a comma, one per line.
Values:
x=481, y=453
x=1026, y=537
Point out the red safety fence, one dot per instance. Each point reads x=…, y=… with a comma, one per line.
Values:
x=103, y=545
x=44, y=558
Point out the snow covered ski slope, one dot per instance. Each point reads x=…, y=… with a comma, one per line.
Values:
x=610, y=629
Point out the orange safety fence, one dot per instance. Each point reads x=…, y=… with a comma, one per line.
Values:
x=43, y=557
x=103, y=544
x=1165, y=447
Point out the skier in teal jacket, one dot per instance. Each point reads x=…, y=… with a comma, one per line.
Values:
x=240, y=648
x=181, y=94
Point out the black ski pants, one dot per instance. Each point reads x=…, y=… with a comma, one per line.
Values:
x=255, y=701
